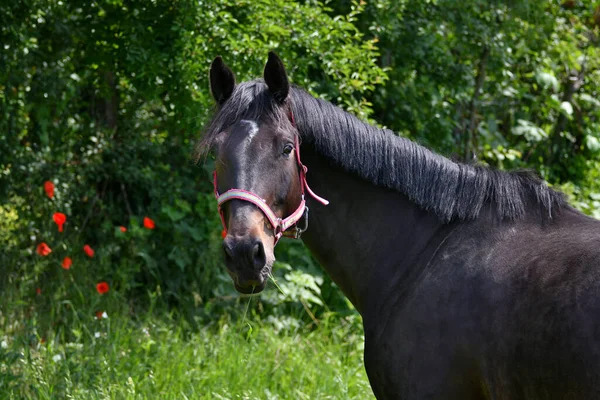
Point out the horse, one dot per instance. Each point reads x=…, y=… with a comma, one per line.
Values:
x=472, y=283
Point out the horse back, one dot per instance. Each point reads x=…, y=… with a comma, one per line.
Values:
x=540, y=289
x=502, y=311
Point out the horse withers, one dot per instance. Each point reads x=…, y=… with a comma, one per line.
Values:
x=472, y=283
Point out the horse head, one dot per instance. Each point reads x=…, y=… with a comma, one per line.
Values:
x=258, y=175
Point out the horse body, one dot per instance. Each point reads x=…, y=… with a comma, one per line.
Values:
x=472, y=283
x=472, y=309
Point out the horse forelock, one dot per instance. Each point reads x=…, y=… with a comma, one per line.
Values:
x=250, y=101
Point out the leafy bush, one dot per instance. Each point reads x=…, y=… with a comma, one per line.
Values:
x=105, y=99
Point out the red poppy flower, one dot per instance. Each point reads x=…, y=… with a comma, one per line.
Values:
x=148, y=223
x=49, y=188
x=223, y=233
x=99, y=314
x=59, y=219
x=123, y=229
x=43, y=249
x=102, y=287
x=66, y=264
x=88, y=250
x=38, y=291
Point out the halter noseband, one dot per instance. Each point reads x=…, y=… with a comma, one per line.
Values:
x=280, y=227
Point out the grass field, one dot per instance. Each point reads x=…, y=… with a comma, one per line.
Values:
x=160, y=356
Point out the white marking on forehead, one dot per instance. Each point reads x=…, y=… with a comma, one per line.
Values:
x=253, y=128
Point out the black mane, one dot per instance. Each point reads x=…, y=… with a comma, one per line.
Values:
x=449, y=189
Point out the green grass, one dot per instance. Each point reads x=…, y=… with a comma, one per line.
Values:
x=162, y=357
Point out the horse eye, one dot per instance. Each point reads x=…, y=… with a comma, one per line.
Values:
x=287, y=150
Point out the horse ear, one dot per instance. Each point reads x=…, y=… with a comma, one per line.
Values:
x=276, y=78
x=222, y=80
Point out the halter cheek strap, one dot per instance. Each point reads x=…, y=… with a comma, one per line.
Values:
x=280, y=227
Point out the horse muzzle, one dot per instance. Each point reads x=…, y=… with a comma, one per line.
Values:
x=247, y=263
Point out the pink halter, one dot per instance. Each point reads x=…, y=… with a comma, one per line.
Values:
x=280, y=227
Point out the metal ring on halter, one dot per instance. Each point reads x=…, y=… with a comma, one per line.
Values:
x=304, y=219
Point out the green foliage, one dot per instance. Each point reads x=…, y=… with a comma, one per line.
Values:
x=510, y=84
x=106, y=99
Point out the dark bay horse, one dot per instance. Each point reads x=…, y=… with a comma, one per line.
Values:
x=472, y=283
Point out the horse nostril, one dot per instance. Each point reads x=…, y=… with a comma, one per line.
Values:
x=243, y=253
x=258, y=255
x=227, y=251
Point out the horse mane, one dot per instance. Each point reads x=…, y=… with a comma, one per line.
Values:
x=451, y=190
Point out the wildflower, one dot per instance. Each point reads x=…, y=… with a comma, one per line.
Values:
x=148, y=223
x=38, y=291
x=97, y=335
x=123, y=229
x=59, y=219
x=223, y=233
x=101, y=314
x=88, y=250
x=49, y=188
x=56, y=358
x=102, y=287
x=43, y=249
x=66, y=263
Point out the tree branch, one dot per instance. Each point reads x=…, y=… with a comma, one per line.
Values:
x=126, y=200
x=479, y=81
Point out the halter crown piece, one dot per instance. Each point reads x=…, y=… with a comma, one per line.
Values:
x=280, y=227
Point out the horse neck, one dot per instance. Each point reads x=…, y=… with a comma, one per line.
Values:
x=368, y=239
